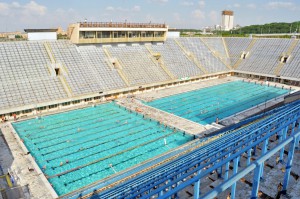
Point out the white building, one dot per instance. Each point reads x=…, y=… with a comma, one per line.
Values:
x=173, y=33
x=227, y=20
x=41, y=34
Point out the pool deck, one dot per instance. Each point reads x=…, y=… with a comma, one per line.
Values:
x=164, y=118
x=14, y=158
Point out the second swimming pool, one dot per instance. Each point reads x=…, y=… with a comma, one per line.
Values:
x=205, y=105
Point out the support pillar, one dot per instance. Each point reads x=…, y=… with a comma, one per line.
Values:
x=264, y=151
x=235, y=170
x=220, y=169
x=249, y=157
x=289, y=164
x=256, y=180
x=297, y=146
x=227, y=168
x=197, y=187
x=283, y=138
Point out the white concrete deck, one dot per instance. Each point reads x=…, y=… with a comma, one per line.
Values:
x=13, y=158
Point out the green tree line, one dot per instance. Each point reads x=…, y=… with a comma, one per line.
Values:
x=269, y=28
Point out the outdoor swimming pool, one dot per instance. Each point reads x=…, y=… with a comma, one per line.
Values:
x=79, y=147
x=205, y=105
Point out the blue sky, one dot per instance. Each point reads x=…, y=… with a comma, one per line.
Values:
x=20, y=14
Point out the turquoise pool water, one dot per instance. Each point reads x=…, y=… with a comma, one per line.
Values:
x=205, y=105
x=84, y=146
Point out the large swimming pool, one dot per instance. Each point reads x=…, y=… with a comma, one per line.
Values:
x=205, y=105
x=83, y=146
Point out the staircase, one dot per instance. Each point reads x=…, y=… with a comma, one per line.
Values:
x=160, y=62
x=65, y=85
x=49, y=52
x=288, y=53
x=191, y=57
x=119, y=69
x=225, y=47
x=62, y=68
x=216, y=54
x=248, y=49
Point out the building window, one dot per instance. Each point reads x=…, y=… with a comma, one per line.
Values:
x=53, y=106
x=105, y=34
x=158, y=34
x=66, y=103
x=149, y=34
x=26, y=111
x=89, y=34
x=122, y=34
x=76, y=102
x=42, y=108
x=115, y=34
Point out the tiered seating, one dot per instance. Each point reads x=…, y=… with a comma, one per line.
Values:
x=137, y=65
x=236, y=46
x=203, y=54
x=216, y=44
x=175, y=60
x=21, y=60
x=25, y=78
x=27, y=92
x=291, y=68
x=83, y=77
x=80, y=79
x=265, y=56
x=95, y=59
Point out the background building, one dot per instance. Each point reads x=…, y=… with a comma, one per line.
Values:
x=227, y=20
x=116, y=32
x=41, y=34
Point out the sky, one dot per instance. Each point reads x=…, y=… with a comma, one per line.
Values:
x=21, y=14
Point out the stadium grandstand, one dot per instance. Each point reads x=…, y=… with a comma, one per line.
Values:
x=122, y=111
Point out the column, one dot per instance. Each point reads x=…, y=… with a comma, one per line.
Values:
x=197, y=187
x=256, y=180
x=235, y=170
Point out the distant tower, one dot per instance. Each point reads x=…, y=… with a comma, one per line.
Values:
x=227, y=20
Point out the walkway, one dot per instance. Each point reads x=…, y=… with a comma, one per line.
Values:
x=12, y=158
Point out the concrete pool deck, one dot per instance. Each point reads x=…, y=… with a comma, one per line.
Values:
x=13, y=158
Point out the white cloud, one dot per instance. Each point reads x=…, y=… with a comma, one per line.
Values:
x=187, y=3
x=251, y=6
x=136, y=8
x=198, y=14
x=4, y=9
x=201, y=3
x=30, y=9
x=280, y=4
x=15, y=5
x=236, y=5
x=110, y=8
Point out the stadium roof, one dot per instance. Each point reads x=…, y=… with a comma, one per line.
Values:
x=41, y=30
